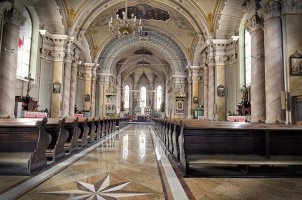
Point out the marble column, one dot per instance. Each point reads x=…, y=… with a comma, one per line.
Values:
x=220, y=80
x=73, y=88
x=8, y=62
x=118, y=97
x=4, y=6
x=67, y=80
x=101, y=96
x=57, y=79
x=88, y=69
x=274, y=72
x=93, y=87
x=195, y=85
x=255, y=27
x=211, y=84
x=205, y=91
x=190, y=99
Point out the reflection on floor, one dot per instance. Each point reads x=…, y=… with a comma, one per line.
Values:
x=122, y=167
x=132, y=165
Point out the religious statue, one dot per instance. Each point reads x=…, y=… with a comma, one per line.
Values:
x=150, y=101
x=244, y=108
x=29, y=80
x=245, y=96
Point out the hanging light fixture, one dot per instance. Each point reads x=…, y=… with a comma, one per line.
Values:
x=125, y=25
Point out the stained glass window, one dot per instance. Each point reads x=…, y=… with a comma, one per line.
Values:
x=143, y=96
x=158, y=97
x=126, y=96
x=24, y=46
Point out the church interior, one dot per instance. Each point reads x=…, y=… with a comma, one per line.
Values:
x=150, y=99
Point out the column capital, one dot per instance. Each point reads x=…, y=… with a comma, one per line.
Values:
x=195, y=78
x=58, y=56
x=254, y=23
x=195, y=72
x=5, y=6
x=69, y=58
x=221, y=60
x=70, y=55
x=270, y=10
x=291, y=6
x=13, y=16
x=45, y=54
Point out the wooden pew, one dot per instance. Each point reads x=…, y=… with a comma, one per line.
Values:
x=23, y=144
x=74, y=132
x=59, y=134
x=121, y=122
x=92, y=130
x=83, y=139
x=203, y=143
x=98, y=125
x=104, y=126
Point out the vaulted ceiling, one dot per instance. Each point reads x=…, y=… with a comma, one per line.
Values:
x=173, y=37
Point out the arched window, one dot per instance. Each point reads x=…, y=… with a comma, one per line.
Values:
x=247, y=58
x=143, y=96
x=126, y=96
x=158, y=97
x=24, y=46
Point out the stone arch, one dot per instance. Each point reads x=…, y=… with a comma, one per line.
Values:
x=50, y=17
x=158, y=42
x=187, y=9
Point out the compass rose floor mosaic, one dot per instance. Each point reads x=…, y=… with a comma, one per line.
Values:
x=131, y=165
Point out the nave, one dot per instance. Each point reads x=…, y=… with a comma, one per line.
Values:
x=131, y=164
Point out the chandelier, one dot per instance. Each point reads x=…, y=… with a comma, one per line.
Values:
x=125, y=25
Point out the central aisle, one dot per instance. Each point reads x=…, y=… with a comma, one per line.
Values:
x=124, y=166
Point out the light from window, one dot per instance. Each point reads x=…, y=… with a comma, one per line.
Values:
x=143, y=96
x=24, y=46
x=158, y=97
x=126, y=96
x=247, y=57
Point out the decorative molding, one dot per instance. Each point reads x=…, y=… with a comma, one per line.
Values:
x=70, y=17
x=210, y=22
x=254, y=23
x=87, y=71
x=58, y=56
x=291, y=6
x=221, y=60
x=55, y=45
x=45, y=54
x=270, y=10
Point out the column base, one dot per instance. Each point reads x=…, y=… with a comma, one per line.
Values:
x=274, y=122
x=7, y=117
x=257, y=121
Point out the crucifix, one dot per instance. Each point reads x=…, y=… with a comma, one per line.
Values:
x=29, y=80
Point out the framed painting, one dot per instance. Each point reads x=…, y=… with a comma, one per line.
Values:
x=295, y=61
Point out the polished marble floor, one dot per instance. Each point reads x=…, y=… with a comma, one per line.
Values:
x=132, y=165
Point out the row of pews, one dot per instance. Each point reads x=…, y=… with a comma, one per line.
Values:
x=218, y=148
x=27, y=144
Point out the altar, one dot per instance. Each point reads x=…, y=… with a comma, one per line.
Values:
x=239, y=118
x=30, y=114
